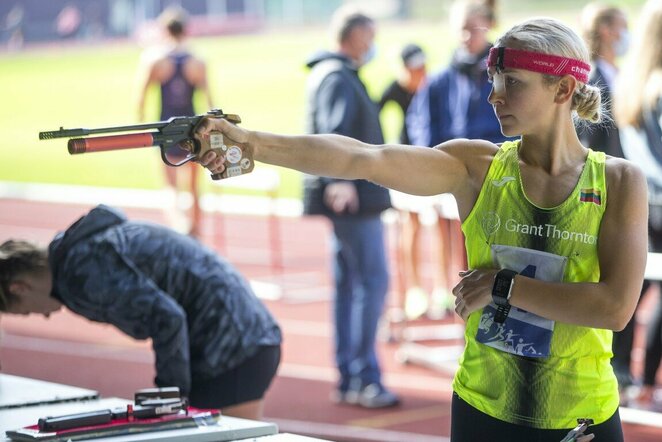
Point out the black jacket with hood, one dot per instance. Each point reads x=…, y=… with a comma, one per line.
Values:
x=338, y=103
x=151, y=282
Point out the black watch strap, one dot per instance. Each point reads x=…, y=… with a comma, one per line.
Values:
x=501, y=313
x=501, y=290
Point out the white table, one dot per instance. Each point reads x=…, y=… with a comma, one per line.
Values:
x=227, y=429
x=23, y=401
x=16, y=391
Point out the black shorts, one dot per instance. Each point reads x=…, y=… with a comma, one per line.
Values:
x=246, y=382
x=470, y=425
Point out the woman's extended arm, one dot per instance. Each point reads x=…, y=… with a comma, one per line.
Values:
x=410, y=169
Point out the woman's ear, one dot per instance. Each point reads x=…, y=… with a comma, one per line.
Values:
x=565, y=89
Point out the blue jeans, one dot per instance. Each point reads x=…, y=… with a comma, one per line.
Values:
x=361, y=279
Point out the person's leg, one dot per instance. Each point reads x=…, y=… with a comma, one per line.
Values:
x=367, y=239
x=174, y=215
x=450, y=253
x=400, y=202
x=402, y=254
x=196, y=211
x=247, y=410
x=442, y=301
x=622, y=349
x=652, y=354
x=344, y=265
x=416, y=298
x=411, y=247
x=443, y=253
x=654, y=329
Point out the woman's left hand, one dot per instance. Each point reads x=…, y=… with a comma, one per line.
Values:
x=474, y=291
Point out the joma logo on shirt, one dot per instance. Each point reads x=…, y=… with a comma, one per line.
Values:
x=503, y=181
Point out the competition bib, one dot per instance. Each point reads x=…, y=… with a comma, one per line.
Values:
x=523, y=333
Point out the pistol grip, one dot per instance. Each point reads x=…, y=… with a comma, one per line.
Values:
x=238, y=159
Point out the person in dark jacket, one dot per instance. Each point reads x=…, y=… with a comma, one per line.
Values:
x=338, y=103
x=453, y=103
x=211, y=335
x=605, y=30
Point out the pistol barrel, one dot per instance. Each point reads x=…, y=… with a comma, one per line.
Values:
x=69, y=133
x=63, y=133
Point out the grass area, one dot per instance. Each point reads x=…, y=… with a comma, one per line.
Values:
x=261, y=77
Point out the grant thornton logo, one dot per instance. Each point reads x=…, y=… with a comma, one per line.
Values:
x=490, y=223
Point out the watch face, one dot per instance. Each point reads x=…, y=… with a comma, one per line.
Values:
x=501, y=288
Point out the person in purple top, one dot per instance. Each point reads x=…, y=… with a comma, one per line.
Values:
x=179, y=74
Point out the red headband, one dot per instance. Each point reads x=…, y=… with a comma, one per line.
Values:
x=537, y=62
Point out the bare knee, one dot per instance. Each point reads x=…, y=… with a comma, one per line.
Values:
x=246, y=410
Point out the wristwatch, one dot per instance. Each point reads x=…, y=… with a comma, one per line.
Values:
x=501, y=291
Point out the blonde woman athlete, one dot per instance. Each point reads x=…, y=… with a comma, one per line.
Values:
x=555, y=233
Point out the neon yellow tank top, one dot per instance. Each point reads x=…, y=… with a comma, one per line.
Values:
x=531, y=371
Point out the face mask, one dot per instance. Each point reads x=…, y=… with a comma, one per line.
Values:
x=622, y=44
x=372, y=51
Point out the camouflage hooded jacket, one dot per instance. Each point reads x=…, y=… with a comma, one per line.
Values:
x=151, y=282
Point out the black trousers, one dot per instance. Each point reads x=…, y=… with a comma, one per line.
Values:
x=622, y=347
x=470, y=425
x=653, y=345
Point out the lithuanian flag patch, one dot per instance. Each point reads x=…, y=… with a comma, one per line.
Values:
x=590, y=196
